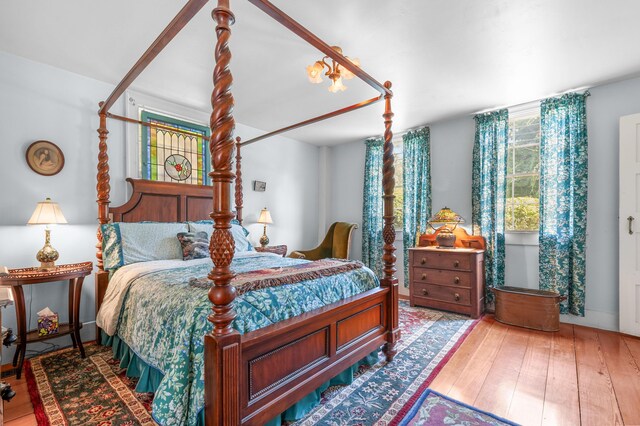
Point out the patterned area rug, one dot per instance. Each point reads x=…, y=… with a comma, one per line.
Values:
x=433, y=408
x=68, y=390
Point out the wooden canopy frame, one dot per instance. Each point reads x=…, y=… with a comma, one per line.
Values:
x=251, y=378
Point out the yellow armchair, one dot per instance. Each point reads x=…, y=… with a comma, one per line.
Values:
x=336, y=244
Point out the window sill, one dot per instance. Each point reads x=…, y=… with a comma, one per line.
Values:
x=522, y=238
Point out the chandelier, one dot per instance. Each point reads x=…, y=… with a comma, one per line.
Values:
x=334, y=71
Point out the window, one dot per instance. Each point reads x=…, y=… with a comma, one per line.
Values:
x=397, y=189
x=523, y=172
x=177, y=152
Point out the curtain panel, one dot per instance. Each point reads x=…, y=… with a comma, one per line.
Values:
x=372, y=222
x=563, y=199
x=416, y=189
x=489, y=192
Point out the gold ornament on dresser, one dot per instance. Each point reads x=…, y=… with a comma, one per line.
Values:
x=47, y=213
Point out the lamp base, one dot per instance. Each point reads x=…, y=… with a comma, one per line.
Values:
x=47, y=266
x=446, y=240
x=264, y=240
x=47, y=255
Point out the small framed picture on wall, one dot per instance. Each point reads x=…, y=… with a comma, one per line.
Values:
x=259, y=186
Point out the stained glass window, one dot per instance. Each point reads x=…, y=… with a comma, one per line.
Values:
x=176, y=152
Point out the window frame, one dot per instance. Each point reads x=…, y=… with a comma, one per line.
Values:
x=135, y=102
x=521, y=237
x=147, y=115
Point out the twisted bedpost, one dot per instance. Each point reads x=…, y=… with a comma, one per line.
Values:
x=222, y=345
x=238, y=181
x=389, y=232
x=103, y=189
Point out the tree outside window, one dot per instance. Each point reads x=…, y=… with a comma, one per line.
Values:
x=523, y=174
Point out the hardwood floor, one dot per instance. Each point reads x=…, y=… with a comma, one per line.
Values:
x=576, y=376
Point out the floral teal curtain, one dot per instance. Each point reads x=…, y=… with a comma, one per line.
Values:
x=372, y=222
x=416, y=188
x=489, y=192
x=563, y=198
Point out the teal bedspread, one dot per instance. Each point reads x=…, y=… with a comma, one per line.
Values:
x=164, y=319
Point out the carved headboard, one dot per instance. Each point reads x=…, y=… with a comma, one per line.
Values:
x=164, y=202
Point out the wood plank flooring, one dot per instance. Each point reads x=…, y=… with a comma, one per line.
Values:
x=576, y=376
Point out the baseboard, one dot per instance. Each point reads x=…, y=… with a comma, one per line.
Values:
x=595, y=319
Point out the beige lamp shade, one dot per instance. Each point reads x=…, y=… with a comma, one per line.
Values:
x=265, y=217
x=47, y=212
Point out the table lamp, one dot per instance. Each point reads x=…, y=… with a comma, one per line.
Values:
x=265, y=218
x=447, y=218
x=47, y=213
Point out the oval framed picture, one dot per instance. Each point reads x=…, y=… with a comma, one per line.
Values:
x=45, y=158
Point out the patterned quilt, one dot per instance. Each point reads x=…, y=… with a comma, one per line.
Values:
x=163, y=320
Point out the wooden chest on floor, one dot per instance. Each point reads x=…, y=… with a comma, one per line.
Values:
x=447, y=279
x=529, y=308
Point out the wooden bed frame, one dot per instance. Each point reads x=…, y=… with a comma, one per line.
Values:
x=251, y=378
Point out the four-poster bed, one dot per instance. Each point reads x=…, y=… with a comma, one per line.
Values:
x=250, y=378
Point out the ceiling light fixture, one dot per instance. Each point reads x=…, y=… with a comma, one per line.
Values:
x=335, y=72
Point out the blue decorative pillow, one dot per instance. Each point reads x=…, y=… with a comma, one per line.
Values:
x=125, y=243
x=195, y=245
x=239, y=233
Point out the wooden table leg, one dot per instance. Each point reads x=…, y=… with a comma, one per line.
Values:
x=72, y=286
x=21, y=347
x=76, y=313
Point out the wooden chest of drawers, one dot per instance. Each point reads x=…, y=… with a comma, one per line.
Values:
x=447, y=279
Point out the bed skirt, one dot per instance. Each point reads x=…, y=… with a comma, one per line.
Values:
x=149, y=379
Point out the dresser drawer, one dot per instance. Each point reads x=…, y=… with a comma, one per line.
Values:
x=453, y=261
x=459, y=296
x=442, y=276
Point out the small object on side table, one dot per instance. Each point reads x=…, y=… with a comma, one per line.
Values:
x=281, y=249
x=16, y=278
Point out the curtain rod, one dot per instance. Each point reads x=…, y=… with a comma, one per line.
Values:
x=400, y=134
x=524, y=104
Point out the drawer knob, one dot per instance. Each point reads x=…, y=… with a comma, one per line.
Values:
x=456, y=280
x=456, y=296
x=424, y=276
x=425, y=292
x=423, y=261
x=456, y=263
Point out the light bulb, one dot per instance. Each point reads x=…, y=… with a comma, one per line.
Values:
x=337, y=86
x=314, y=72
x=345, y=73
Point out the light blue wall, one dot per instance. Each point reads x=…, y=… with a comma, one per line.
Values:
x=451, y=156
x=41, y=102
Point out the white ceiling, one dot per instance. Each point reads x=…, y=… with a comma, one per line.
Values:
x=444, y=57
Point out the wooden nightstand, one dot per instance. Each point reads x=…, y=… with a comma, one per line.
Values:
x=281, y=250
x=448, y=279
x=75, y=273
